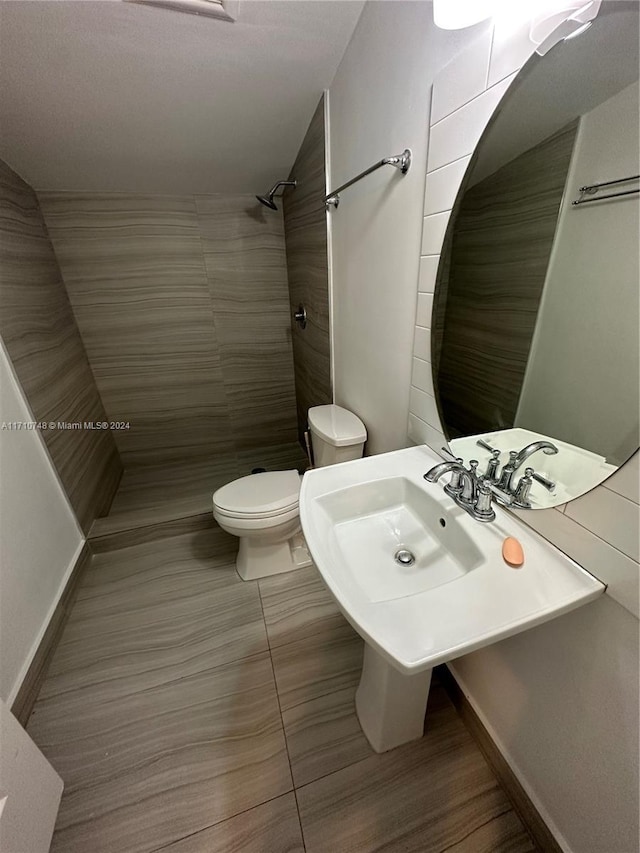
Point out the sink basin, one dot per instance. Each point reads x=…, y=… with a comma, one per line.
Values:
x=459, y=594
x=370, y=523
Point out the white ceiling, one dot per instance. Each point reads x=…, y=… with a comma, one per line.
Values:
x=108, y=96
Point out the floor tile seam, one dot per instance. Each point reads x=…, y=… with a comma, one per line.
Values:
x=144, y=763
x=100, y=560
x=100, y=606
x=220, y=822
x=344, y=640
x=320, y=695
x=333, y=772
x=143, y=530
x=79, y=822
x=159, y=621
x=139, y=578
x=204, y=513
x=172, y=681
x=153, y=541
x=284, y=733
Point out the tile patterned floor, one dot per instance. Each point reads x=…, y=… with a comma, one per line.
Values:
x=191, y=712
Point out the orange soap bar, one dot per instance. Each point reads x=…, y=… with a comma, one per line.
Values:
x=512, y=552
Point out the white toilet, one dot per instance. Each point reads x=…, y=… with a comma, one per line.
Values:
x=262, y=509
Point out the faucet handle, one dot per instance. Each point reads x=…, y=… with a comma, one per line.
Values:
x=492, y=465
x=548, y=484
x=482, y=443
x=452, y=458
x=504, y=483
x=454, y=487
x=523, y=488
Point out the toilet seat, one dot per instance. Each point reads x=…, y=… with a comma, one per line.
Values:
x=271, y=494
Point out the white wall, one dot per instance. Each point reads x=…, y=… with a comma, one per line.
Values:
x=39, y=537
x=562, y=699
x=378, y=106
x=591, y=299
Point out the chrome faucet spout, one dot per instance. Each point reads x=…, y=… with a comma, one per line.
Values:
x=434, y=474
x=465, y=488
x=546, y=447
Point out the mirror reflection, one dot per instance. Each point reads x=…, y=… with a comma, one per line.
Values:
x=535, y=328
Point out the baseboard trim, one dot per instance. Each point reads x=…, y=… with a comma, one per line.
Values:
x=27, y=694
x=522, y=804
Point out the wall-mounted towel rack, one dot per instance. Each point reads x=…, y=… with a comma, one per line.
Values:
x=401, y=161
x=592, y=189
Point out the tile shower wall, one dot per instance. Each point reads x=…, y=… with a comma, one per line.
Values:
x=519, y=686
x=246, y=267
x=48, y=356
x=480, y=371
x=183, y=308
x=305, y=228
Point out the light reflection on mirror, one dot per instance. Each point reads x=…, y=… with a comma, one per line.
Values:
x=535, y=324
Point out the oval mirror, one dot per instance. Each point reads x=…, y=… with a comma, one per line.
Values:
x=536, y=312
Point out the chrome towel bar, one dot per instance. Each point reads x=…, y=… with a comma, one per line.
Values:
x=592, y=189
x=401, y=161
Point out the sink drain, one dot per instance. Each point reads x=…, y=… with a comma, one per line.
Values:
x=404, y=557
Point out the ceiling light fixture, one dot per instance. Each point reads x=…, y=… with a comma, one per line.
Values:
x=456, y=14
x=546, y=16
x=574, y=19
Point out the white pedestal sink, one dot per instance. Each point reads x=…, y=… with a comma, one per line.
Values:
x=421, y=581
x=390, y=706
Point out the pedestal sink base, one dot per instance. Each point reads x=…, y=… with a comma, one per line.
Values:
x=390, y=706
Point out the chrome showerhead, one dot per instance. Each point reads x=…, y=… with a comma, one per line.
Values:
x=267, y=199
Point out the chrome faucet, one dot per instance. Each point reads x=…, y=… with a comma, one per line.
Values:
x=463, y=489
x=471, y=492
x=505, y=481
x=532, y=448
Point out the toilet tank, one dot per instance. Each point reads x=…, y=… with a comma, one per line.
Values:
x=337, y=435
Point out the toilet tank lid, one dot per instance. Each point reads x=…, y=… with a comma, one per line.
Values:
x=337, y=426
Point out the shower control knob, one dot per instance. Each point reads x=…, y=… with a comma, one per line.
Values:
x=300, y=316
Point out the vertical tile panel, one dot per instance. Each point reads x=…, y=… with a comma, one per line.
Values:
x=245, y=260
x=421, y=376
x=43, y=341
x=422, y=344
x=442, y=186
x=457, y=135
x=433, y=231
x=428, y=272
x=510, y=49
x=425, y=308
x=505, y=223
x=135, y=275
x=626, y=481
x=305, y=230
x=462, y=79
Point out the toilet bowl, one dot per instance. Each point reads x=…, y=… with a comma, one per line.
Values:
x=262, y=509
